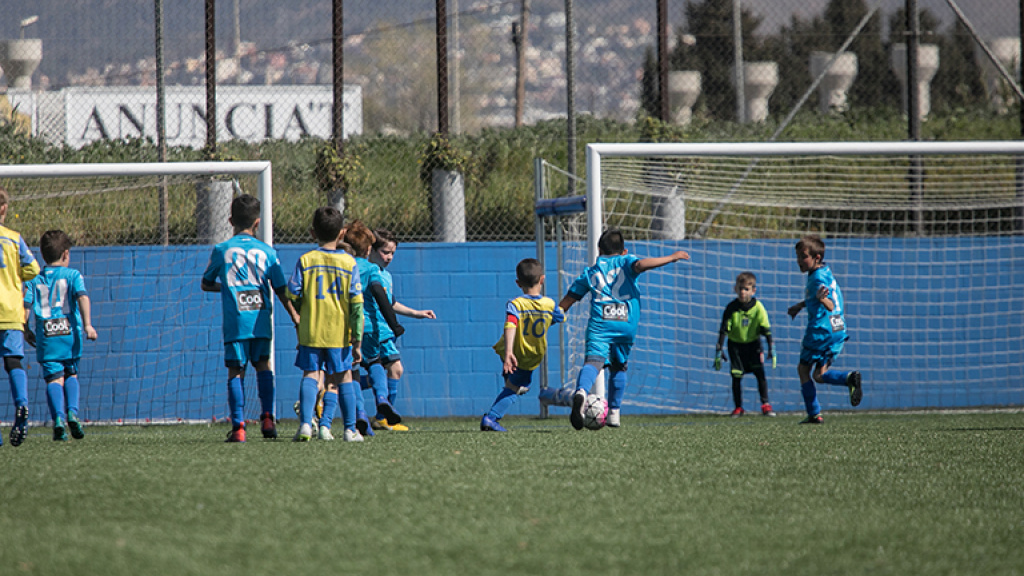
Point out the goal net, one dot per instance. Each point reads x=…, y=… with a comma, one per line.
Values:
x=140, y=233
x=924, y=239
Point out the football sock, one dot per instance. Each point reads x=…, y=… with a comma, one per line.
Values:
x=379, y=382
x=265, y=386
x=236, y=401
x=737, y=391
x=393, y=390
x=834, y=377
x=359, y=400
x=55, y=399
x=307, y=400
x=348, y=391
x=71, y=393
x=364, y=382
x=505, y=400
x=616, y=388
x=330, y=408
x=588, y=373
x=810, y=394
x=762, y=384
x=19, y=386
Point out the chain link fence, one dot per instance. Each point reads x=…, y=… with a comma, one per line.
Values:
x=81, y=85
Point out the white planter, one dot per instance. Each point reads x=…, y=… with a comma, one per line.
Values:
x=683, y=89
x=448, y=196
x=836, y=81
x=927, y=66
x=19, y=59
x=213, y=209
x=759, y=81
x=1007, y=51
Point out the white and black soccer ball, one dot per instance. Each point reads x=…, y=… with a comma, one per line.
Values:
x=595, y=412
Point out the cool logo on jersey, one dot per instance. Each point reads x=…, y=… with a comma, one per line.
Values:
x=56, y=327
x=618, y=312
x=838, y=323
x=249, y=300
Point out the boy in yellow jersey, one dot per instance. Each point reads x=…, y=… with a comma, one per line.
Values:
x=330, y=327
x=524, y=342
x=745, y=321
x=17, y=266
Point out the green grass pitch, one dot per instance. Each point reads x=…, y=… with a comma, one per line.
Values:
x=864, y=494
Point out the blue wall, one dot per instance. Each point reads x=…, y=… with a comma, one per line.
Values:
x=935, y=322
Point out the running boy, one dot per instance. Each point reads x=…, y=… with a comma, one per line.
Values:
x=614, y=316
x=826, y=329
x=384, y=349
x=330, y=328
x=19, y=267
x=524, y=340
x=58, y=301
x=745, y=321
x=245, y=270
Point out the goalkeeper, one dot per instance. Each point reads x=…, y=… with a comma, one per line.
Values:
x=745, y=321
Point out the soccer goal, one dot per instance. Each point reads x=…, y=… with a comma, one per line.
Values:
x=925, y=239
x=142, y=235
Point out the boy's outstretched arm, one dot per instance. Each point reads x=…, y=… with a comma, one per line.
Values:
x=286, y=302
x=413, y=313
x=567, y=301
x=796, y=308
x=380, y=296
x=645, y=264
x=85, y=309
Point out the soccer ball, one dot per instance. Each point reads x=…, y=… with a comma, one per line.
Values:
x=595, y=412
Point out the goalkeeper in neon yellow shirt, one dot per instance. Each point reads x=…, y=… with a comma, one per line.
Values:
x=744, y=322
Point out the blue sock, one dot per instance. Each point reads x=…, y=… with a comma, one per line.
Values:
x=71, y=393
x=307, y=400
x=364, y=382
x=834, y=377
x=378, y=379
x=505, y=400
x=616, y=389
x=588, y=373
x=330, y=408
x=360, y=401
x=265, y=386
x=236, y=401
x=55, y=399
x=19, y=386
x=393, y=390
x=348, y=404
x=810, y=394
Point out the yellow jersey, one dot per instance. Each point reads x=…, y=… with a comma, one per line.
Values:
x=535, y=315
x=17, y=265
x=327, y=283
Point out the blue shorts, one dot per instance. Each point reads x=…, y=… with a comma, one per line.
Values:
x=329, y=360
x=12, y=343
x=612, y=352
x=823, y=357
x=60, y=368
x=519, y=378
x=385, y=352
x=241, y=352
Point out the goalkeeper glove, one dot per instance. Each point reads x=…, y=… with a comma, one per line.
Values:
x=718, y=358
x=774, y=359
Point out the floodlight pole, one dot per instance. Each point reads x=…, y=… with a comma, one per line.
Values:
x=211, y=77
x=916, y=171
x=161, y=129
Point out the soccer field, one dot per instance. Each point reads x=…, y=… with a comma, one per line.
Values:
x=864, y=494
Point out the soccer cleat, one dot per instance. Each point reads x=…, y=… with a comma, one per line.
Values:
x=60, y=430
x=816, y=419
x=379, y=424
x=352, y=436
x=579, y=399
x=77, y=432
x=613, y=418
x=488, y=424
x=237, y=434
x=325, y=433
x=398, y=427
x=304, y=434
x=318, y=409
x=856, y=391
x=385, y=411
x=766, y=410
x=20, y=429
x=316, y=419
x=737, y=412
x=363, y=424
x=267, y=425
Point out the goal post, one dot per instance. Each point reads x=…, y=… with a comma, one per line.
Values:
x=905, y=226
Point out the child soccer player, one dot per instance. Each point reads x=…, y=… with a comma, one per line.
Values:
x=614, y=316
x=524, y=341
x=58, y=301
x=826, y=329
x=19, y=266
x=245, y=270
x=745, y=321
x=330, y=327
x=386, y=350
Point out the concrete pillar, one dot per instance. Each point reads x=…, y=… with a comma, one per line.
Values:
x=927, y=66
x=449, y=206
x=835, y=84
x=213, y=208
x=759, y=81
x=683, y=89
x=1007, y=51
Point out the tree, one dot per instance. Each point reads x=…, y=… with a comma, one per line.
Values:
x=958, y=83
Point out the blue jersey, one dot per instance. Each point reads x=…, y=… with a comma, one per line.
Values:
x=824, y=329
x=615, y=298
x=52, y=296
x=248, y=271
x=376, y=327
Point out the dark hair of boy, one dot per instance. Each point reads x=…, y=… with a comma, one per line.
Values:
x=245, y=209
x=4, y=197
x=528, y=272
x=53, y=244
x=383, y=237
x=359, y=237
x=611, y=243
x=814, y=245
x=746, y=279
x=327, y=223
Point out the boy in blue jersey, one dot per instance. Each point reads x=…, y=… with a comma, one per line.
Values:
x=826, y=329
x=524, y=340
x=245, y=271
x=384, y=349
x=614, y=316
x=17, y=265
x=326, y=280
x=380, y=324
x=59, y=303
